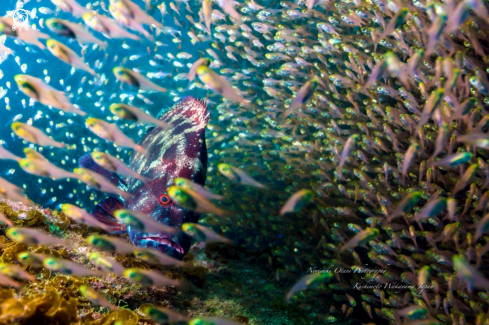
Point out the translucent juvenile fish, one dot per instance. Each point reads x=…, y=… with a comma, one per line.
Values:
x=7, y=281
x=7, y=155
x=81, y=216
x=237, y=175
x=30, y=36
x=70, y=6
x=72, y=30
x=193, y=69
x=163, y=315
x=67, y=55
x=32, y=236
x=479, y=140
x=406, y=205
x=362, y=238
x=34, y=135
x=135, y=114
x=186, y=183
x=454, y=160
x=106, y=25
x=117, y=166
x=141, y=222
x=98, y=182
x=468, y=274
x=37, y=89
x=155, y=257
x=110, y=244
x=13, y=192
x=297, y=201
x=149, y=278
x=15, y=271
x=131, y=10
x=68, y=267
x=227, y=7
x=112, y=133
x=136, y=80
x=204, y=234
x=4, y=219
x=44, y=168
x=309, y=282
x=106, y=264
x=218, y=84
x=95, y=297
x=303, y=95
x=431, y=209
x=191, y=200
x=30, y=258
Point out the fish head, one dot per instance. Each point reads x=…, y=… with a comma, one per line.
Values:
x=178, y=151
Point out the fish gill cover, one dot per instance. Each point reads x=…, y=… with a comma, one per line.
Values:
x=346, y=155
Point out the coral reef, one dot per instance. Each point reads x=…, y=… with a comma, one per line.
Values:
x=226, y=281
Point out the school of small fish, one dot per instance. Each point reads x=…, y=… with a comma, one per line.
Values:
x=349, y=134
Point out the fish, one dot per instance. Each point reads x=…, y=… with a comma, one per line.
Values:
x=303, y=95
x=135, y=114
x=15, y=271
x=30, y=36
x=193, y=201
x=308, y=282
x=170, y=153
x=72, y=30
x=79, y=215
x=468, y=274
x=199, y=189
x=204, y=234
x=70, y=6
x=67, y=55
x=164, y=315
x=34, y=135
x=31, y=236
x=96, y=297
x=106, y=26
x=141, y=222
x=110, y=244
x=237, y=175
x=193, y=69
x=105, y=263
x=99, y=182
x=29, y=258
x=44, y=168
x=135, y=79
x=110, y=132
x=36, y=89
x=363, y=237
x=114, y=165
x=212, y=321
x=155, y=257
x=13, y=192
x=297, y=201
x=68, y=267
x=218, y=84
x=7, y=155
x=149, y=278
x=4, y=219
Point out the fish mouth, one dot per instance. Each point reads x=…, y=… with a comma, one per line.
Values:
x=162, y=243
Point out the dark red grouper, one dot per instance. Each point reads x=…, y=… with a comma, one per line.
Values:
x=179, y=151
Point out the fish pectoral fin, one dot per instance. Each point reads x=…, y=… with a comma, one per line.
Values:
x=104, y=212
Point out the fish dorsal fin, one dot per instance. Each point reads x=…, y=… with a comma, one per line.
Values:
x=188, y=108
x=86, y=161
x=104, y=212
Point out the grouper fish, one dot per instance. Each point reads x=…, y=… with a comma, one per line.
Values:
x=175, y=151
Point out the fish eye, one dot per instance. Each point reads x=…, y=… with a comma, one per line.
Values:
x=164, y=200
